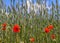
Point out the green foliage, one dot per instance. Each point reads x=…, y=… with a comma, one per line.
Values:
x=32, y=25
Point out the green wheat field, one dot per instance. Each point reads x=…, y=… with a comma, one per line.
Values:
x=19, y=26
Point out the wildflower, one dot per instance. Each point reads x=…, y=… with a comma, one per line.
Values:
x=47, y=30
x=16, y=28
x=4, y=26
x=53, y=36
x=32, y=39
x=50, y=27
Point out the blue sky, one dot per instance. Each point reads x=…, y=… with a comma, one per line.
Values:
x=49, y=2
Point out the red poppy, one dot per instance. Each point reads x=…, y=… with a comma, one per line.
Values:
x=50, y=27
x=4, y=26
x=53, y=36
x=16, y=28
x=47, y=30
x=32, y=39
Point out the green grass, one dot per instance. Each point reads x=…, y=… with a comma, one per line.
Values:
x=30, y=27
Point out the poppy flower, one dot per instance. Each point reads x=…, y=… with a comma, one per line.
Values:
x=50, y=27
x=32, y=39
x=53, y=36
x=16, y=28
x=47, y=30
x=4, y=26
